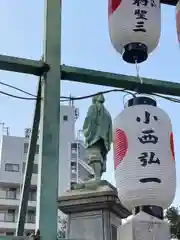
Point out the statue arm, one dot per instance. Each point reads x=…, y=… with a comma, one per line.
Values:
x=91, y=114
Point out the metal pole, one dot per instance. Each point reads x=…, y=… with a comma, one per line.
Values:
x=47, y=189
x=29, y=167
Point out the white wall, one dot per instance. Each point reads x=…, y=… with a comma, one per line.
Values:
x=12, y=152
x=67, y=133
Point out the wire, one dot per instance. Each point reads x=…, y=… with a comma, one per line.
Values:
x=171, y=99
x=137, y=72
x=18, y=89
x=101, y=92
x=67, y=99
x=18, y=97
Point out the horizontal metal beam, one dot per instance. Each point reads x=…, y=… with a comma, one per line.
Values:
x=22, y=65
x=119, y=81
x=37, y=68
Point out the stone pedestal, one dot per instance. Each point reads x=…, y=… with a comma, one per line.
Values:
x=94, y=212
x=145, y=226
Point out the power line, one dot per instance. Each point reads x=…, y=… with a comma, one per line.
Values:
x=65, y=99
x=18, y=89
x=172, y=99
x=18, y=97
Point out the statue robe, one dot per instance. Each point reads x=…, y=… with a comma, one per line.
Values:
x=98, y=127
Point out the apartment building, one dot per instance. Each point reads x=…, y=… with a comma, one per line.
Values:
x=73, y=168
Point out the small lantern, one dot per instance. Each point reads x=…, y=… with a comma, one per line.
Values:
x=134, y=27
x=144, y=156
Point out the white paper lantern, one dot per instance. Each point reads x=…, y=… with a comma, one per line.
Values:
x=134, y=27
x=144, y=157
x=178, y=20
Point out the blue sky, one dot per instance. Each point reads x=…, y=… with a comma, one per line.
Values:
x=85, y=43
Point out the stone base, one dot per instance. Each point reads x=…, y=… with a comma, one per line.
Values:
x=94, y=213
x=145, y=226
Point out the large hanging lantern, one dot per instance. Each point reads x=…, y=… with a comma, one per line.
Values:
x=144, y=156
x=178, y=20
x=134, y=27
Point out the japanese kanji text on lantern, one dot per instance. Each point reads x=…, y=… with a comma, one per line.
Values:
x=144, y=157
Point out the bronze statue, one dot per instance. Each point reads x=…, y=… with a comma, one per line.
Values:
x=97, y=131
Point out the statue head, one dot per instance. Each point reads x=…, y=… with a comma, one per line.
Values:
x=98, y=99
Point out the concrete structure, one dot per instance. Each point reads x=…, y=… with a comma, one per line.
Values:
x=94, y=212
x=145, y=226
x=13, y=153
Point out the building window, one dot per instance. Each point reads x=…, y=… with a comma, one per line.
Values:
x=75, y=150
x=32, y=195
x=10, y=215
x=74, y=156
x=35, y=168
x=37, y=149
x=11, y=193
x=65, y=118
x=2, y=193
x=113, y=232
x=73, y=146
x=73, y=167
x=2, y=215
x=73, y=175
x=26, y=146
x=31, y=216
x=9, y=233
x=9, y=167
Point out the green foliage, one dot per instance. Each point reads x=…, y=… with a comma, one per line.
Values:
x=61, y=234
x=173, y=217
x=62, y=229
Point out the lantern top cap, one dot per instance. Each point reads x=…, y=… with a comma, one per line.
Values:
x=141, y=100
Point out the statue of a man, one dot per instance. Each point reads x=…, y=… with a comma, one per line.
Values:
x=97, y=130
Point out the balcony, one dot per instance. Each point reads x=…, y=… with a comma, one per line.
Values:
x=8, y=219
x=6, y=226
x=14, y=203
x=34, y=179
x=10, y=198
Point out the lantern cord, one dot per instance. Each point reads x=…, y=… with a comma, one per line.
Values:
x=137, y=71
x=125, y=95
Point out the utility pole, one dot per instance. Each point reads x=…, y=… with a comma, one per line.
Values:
x=29, y=167
x=48, y=175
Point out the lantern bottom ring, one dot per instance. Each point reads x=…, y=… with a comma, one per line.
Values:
x=135, y=53
x=154, y=211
